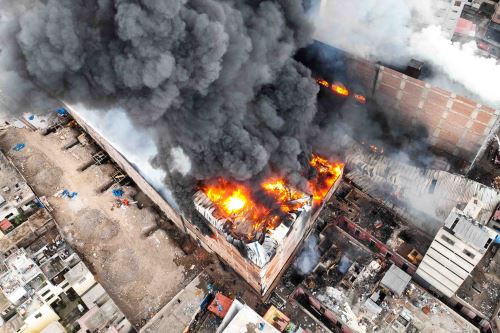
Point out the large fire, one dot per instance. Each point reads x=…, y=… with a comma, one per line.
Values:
x=266, y=205
x=328, y=173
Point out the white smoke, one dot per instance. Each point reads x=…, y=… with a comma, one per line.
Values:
x=134, y=143
x=395, y=31
x=309, y=256
x=180, y=161
x=460, y=62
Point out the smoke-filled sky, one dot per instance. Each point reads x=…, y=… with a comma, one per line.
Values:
x=213, y=81
x=394, y=31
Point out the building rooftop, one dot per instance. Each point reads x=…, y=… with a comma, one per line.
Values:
x=21, y=270
x=481, y=289
x=180, y=311
x=396, y=280
x=80, y=278
x=422, y=196
x=14, y=191
x=468, y=230
x=366, y=293
x=242, y=318
x=377, y=221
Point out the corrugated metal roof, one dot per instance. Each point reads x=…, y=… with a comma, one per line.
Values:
x=424, y=197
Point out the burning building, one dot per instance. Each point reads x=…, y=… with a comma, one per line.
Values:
x=256, y=230
x=265, y=225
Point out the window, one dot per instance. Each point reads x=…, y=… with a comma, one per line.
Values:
x=469, y=254
x=447, y=240
x=38, y=315
x=488, y=243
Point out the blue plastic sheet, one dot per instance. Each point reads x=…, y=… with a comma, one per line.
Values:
x=31, y=117
x=118, y=192
x=39, y=203
x=67, y=193
x=19, y=147
x=61, y=111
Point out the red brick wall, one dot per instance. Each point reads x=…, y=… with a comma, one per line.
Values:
x=456, y=125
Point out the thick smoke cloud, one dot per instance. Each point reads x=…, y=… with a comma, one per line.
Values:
x=212, y=80
x=395, y=31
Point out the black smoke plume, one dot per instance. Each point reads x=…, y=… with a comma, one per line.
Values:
x=215, y=78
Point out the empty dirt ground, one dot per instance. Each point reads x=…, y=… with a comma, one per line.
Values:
x=142, y=267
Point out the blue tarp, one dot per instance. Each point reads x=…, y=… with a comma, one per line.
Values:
x=67, y=193
x=19, y=146
x=39, y=203
x=61, y=111
x=118, y=192
x=31, y=117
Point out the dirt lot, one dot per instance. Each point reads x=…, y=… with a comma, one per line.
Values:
x=140, y=266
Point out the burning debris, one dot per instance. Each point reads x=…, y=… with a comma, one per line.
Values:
x=258, y=218
x=341, y=90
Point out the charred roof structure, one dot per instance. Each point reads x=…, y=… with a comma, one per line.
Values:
x=353, y=290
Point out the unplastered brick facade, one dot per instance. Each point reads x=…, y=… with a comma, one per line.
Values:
x=262, y=280
x=456, y=125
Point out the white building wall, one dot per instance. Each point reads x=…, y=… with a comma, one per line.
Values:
x=448, y=262
x=448, y=13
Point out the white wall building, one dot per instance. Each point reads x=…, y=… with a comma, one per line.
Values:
x=455, y=251
x=448, y=12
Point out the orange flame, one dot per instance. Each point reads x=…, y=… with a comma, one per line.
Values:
x=323, y=83
x=360, y=98
x=340, y=89
x=236, y=200
x=328, y=173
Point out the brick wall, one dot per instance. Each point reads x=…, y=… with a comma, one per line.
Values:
x=456, y=125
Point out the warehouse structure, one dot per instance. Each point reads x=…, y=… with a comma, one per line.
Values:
x=261, y=275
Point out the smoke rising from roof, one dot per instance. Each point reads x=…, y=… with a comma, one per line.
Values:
x=213, y=81
x=395, y=31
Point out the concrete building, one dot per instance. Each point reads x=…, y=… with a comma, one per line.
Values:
x=448, y=13
x=16, y=197
x=241, y=318
x=456, y=250
x=41, y=276
x=488, y=37
x=260, y=272
x=356, y=290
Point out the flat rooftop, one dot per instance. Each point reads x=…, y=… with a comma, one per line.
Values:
x=13, y=189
